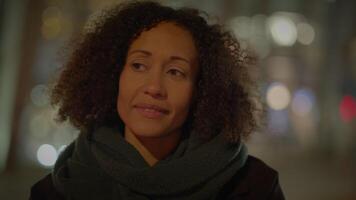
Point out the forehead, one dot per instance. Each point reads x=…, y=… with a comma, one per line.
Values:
x=166, y=38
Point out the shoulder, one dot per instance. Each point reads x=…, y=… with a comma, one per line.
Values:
x=257, y=170
x=256, y=180
x=44, y=189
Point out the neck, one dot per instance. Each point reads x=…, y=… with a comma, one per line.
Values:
x=153, y=149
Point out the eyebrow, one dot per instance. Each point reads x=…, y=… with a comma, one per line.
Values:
x=150, y=54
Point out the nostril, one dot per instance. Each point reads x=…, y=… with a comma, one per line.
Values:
x=155, y=92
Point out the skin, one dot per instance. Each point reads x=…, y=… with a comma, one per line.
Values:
x=160, y=69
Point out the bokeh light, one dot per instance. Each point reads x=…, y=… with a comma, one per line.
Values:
x=303, y=102
x=46, y=155
x=283, y=30
x=278, y=96
x=259, y=36
x=52, y=22
x=306, y=33
x=39, y=95
x=348, y=108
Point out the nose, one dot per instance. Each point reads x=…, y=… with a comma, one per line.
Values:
x=155, y=86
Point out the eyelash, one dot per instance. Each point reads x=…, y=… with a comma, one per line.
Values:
x=135, y=66
x=179, y=72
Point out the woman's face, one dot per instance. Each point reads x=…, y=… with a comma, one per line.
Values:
x=157, y=82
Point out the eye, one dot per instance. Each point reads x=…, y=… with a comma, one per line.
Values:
x=138, y=67
x=175, y=72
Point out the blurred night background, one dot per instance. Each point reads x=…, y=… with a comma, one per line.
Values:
x=307, y=71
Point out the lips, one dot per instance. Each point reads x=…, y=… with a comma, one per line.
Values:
x=152, y=107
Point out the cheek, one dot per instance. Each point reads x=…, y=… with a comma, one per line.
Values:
x=123, y=98
x=181, y=100
x=121, y=105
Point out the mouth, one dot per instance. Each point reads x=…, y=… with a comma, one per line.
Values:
x=151, y=111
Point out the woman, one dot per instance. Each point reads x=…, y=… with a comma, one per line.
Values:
x=162, y=100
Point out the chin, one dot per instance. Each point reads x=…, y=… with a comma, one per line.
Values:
x=148, y=132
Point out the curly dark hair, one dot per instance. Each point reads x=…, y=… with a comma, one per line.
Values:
x=87, y=88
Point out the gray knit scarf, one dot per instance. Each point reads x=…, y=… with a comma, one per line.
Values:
x=102, y=165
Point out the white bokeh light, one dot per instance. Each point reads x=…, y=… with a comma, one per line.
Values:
x=283, y=30
x=278, y=96
x=46, y=155
x=306, y=33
